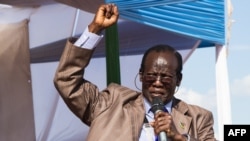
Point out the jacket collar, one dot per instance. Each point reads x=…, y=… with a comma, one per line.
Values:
x=183, y=121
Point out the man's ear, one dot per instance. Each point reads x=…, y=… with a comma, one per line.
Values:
x=179, y=78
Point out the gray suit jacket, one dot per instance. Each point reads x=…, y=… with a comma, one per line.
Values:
x=117, y=113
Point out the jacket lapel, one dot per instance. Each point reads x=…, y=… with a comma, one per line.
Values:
x=181, y=121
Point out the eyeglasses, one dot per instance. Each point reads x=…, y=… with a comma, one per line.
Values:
x=150, y=78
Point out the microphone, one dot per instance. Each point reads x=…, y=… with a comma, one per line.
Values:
x=158, y=106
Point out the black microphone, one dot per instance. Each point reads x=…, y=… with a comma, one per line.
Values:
x=158, y=106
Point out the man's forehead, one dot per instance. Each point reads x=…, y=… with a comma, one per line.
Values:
x=163, y=59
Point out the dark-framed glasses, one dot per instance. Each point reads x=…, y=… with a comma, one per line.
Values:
x=150, y=78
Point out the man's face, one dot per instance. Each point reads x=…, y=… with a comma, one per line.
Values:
x=159, y=78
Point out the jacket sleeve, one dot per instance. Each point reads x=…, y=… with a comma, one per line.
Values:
x=79, y=94
x=206, y=131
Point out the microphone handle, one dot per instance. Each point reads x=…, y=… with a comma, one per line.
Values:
x=162, y=136
x=158, y=106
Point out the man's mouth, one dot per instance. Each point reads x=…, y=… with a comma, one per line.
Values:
x=156, y=94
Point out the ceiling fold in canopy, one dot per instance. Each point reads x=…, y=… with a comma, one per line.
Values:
x=200, y=19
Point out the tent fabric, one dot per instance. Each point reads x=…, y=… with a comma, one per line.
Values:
x=16, y=104
x=200, y=19
x=86, y=5
x=53, y=119
x=27, y=3
x=129, y=44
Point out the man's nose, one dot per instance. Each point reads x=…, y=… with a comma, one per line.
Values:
x=158, y=80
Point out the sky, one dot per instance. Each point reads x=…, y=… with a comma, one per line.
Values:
x=198, y=84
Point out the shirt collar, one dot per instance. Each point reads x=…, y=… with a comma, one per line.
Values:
x=148, y=106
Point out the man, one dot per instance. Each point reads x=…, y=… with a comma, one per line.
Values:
x=119, y=113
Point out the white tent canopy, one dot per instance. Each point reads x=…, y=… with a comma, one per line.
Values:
x=49, y=26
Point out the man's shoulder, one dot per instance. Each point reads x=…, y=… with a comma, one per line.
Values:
x=113, y=85
x=190, y=107
x=114, y=88
x=122, y=92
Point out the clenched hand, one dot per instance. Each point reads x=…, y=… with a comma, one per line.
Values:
x=106, y=16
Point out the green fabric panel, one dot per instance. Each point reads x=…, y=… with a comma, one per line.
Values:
x=112, y=55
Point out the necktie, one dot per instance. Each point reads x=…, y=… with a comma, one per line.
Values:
x=146, y=120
